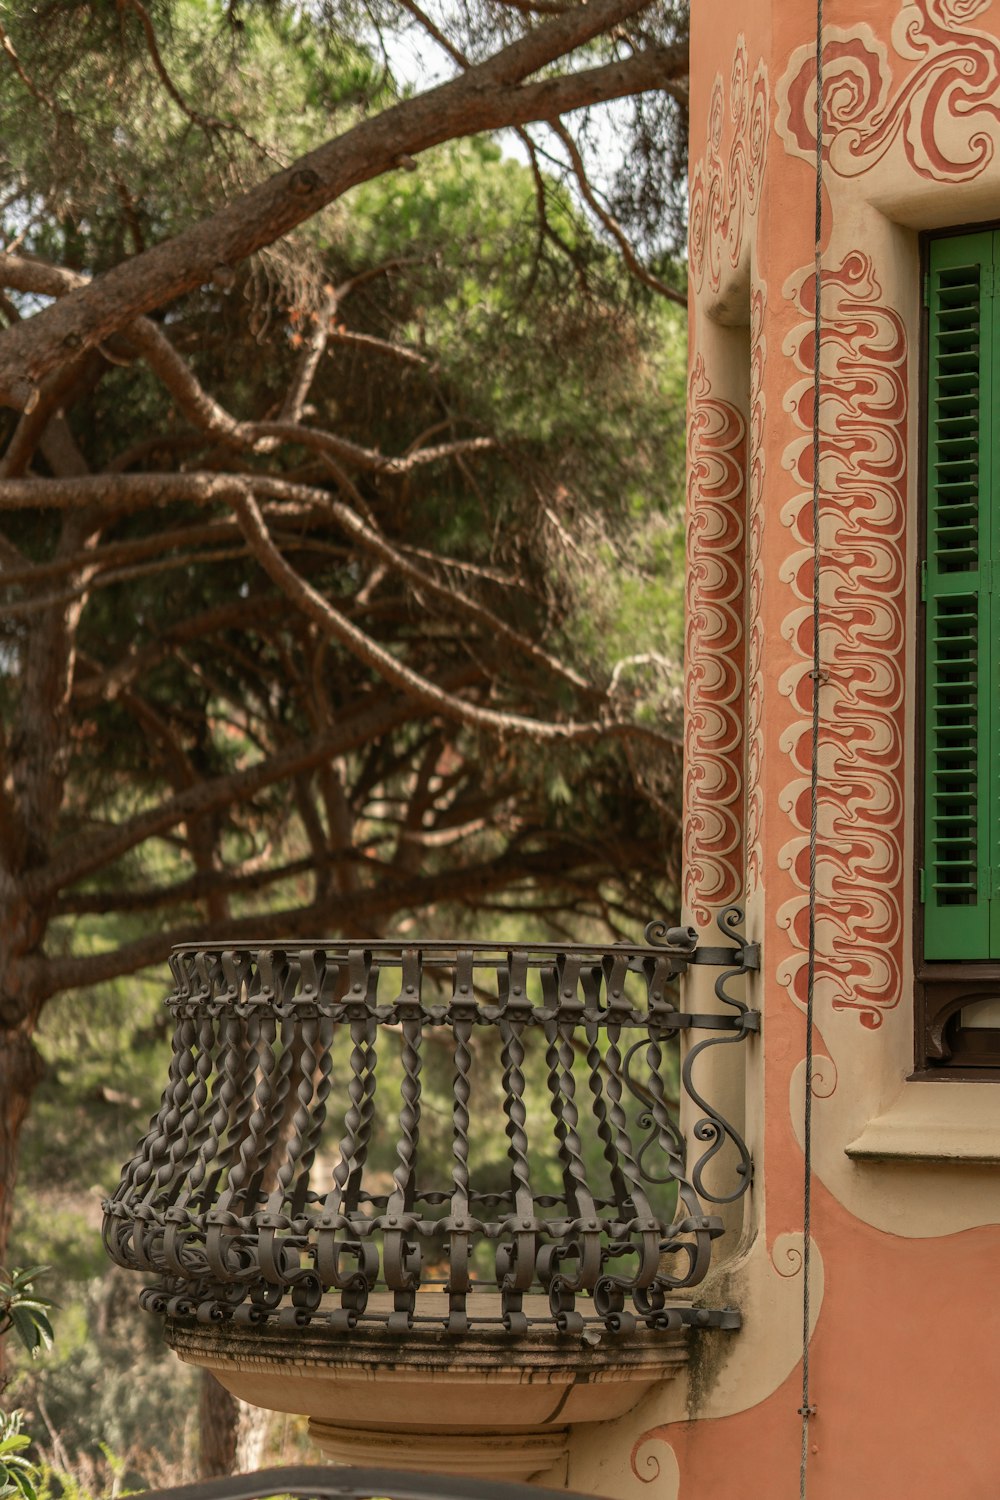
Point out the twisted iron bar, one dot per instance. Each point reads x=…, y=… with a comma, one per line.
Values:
x=252, y=1198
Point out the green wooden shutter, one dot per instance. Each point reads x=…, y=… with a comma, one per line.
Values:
x=960, y=823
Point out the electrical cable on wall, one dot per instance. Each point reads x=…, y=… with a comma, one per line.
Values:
x=806, y=1410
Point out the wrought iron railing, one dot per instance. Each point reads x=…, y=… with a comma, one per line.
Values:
x=277, y=1183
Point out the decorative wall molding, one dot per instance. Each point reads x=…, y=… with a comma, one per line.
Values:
x=755, y=592
x=944, y=112
x=861, y=817
x=787, y=1255
x=652, y=1460
x=767, y=1279
x=725, y=195
x=714, y=650
x=725, y=184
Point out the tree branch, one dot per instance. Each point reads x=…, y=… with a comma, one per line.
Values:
x=74, y=863
x=374, y=542
x=489, y=96
x=387, y=666
x=144, y=337
x=462, y=885
x=118, y=494
x=208, y=123
x=195, y=888
x=377, y=346
x=128, y=492
x=610, y=223
x=368, y=459
x=8, y=47
x=104, y=686
x=33, y=426
x=308, y=363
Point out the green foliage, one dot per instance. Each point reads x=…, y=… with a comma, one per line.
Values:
x=104, y=1050
x=567, y=528
x=111, y=1388
x=18, y=1474
x=112, y=1392
x=108, y=132
x=22, y=1310
x=24, y=1313
x=60, y=1484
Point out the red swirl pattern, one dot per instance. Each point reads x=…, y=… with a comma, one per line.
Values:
x=945, y=113
x=643, y=1462
x=755, y=588
x=860, y=855
x=725, y=187
x=714, y=651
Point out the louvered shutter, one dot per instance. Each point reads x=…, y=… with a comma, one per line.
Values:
x=961, y=744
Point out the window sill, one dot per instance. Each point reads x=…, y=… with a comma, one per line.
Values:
x=927, y=1122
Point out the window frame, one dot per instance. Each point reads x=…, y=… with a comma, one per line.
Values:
x=944, y=1050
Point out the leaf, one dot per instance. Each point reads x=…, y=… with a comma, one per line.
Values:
x=23, y=1483
x=23, y=1323
x=22, y=1277
x=45, y=1328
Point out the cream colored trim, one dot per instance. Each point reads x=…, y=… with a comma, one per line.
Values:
x=938, y=1122
x=484, y=1455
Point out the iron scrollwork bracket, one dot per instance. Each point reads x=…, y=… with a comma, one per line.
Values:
x=736, y=1023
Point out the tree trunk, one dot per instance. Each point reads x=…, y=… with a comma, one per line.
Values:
x=252, y=1437
x=21, y=1070
x=218, y=1417
x=34, y=755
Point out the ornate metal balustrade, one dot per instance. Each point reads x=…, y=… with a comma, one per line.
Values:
x=278, y=1183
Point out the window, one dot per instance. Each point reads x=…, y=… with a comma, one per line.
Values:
x=958, y=926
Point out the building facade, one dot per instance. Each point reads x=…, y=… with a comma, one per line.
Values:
x=904, y=1329
x=861, y=1263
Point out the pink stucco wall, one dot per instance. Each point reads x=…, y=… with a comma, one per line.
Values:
x=905, y=1355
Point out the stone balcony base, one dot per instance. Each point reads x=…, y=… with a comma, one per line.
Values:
x=483, y=1454
x=484, y=1403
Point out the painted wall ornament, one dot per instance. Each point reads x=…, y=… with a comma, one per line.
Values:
x=725, y=184
x=863, y=436
x=653, y=1460
x=755, y=595
x=725, y=195
x=944, y=112
x=714, y=650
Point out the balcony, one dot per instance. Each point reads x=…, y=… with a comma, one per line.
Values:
x=450, y=1287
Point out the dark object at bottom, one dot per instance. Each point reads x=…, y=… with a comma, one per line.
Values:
x=322, y=1482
